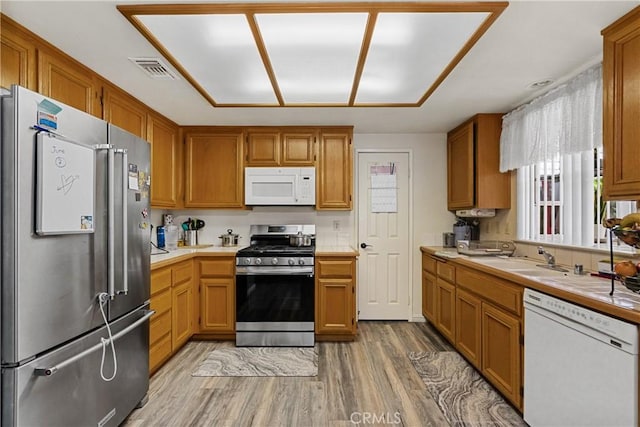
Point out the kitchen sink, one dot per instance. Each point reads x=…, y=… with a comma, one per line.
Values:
x=506, y=264
x=538, y=272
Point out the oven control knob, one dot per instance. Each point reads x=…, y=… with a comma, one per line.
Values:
x=291, y=261
x=301, y=261
x=259, y=261
x=247, y=261
x=274, y=261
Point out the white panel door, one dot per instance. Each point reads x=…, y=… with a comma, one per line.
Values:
x=383, y=226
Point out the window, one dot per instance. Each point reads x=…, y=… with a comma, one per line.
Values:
x=560, y=201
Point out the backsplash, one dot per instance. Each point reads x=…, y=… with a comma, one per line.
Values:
x=332, y=228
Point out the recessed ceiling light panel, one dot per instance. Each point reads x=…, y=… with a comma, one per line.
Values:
x=314, y=56
x=258, y=54
x=220, y=53
x=409, y=51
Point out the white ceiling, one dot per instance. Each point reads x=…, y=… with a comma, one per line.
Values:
x=530, y=41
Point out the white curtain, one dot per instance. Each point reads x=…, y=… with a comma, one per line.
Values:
x=566, y=120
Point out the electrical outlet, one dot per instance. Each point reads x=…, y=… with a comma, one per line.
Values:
x=336, y=225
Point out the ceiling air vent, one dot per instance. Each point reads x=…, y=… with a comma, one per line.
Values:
x=154, y=68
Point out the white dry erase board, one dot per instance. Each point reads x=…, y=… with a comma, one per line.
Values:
x=65, y=178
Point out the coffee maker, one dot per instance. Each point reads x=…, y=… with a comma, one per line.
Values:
x=466, y=230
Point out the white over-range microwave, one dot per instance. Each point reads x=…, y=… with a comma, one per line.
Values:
x=279, y=186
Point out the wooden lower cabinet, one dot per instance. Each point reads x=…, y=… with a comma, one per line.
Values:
x=172, y=300
x=429, y=296
x=217, y=309
x=335, y=297
x=160, y=322
x=501, y=361
x=446, y=309
x=217, y=296
x=481, y=315
x=182, y=309
x=469, y=326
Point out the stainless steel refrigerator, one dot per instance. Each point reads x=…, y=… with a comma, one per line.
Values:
x=75, y=266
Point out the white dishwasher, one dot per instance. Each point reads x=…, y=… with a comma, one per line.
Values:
x=580, y=366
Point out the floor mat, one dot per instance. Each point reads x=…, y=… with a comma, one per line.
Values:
x=259, y=362
x=464, y=397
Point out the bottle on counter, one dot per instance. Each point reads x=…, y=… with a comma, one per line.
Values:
x=160, y=231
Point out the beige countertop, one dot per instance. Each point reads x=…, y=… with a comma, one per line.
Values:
x=590, y=291
x=182, y=254
x=159, y=260
x=336, y=250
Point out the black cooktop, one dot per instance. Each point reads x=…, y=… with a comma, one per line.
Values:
x=283, y=250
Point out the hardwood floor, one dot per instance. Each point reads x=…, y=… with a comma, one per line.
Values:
x=369, y=381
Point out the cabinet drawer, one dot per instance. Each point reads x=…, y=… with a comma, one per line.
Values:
x=446, y=272
x=223, y=267
x=429, y=264
x=491, y=288
x=159, y=352
x=182, y=272
x=335, y=268
x=159, y=325
x=160, y=279
x=161, y=302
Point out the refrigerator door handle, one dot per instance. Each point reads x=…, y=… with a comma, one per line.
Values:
x=111, y=265
x=47, y=372
x=125, y=227
x=111, y=234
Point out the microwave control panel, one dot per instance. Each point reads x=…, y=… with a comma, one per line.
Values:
x=307, y=187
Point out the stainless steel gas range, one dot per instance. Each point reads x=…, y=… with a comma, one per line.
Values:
x=275, y=287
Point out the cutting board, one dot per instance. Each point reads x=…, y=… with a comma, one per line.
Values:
x=198, y=246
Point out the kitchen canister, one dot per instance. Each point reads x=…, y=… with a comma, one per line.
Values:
x=448, y=240
x=191, y=237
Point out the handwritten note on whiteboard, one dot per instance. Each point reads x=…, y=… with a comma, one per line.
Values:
x=65, y=186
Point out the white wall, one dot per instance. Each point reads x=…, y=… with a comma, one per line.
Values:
x=430, y=215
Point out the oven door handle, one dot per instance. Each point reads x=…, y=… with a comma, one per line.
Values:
x=267, y=271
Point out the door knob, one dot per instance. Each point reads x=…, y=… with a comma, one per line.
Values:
x=364, y=246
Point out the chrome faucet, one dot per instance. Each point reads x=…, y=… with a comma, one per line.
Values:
x=551, y=260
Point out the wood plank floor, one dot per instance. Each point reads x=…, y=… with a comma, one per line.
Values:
x=370, y=377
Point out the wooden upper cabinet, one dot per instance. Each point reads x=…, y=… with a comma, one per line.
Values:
x=166, y=172
x=263, y=148
x=280, y=147
x=473, y=162
x=621, y=95
x=460, y=168
x=124, y=111
x=67, y=82
x=334, y=173
x=17, y=56
x=298, y=148
x=214, y=169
